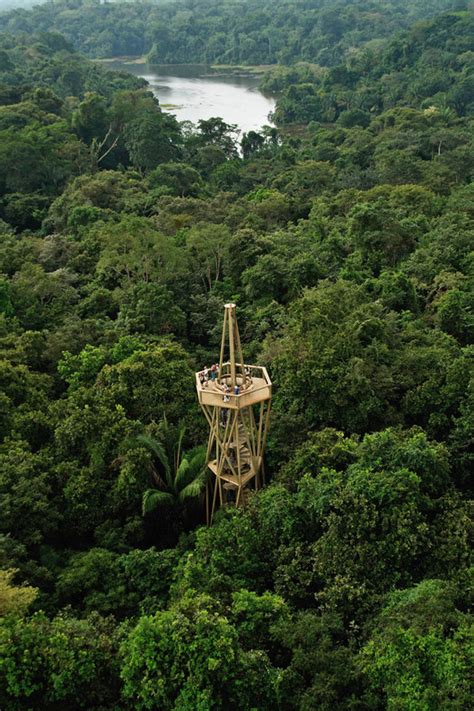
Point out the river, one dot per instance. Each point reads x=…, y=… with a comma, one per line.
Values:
x=193, y=92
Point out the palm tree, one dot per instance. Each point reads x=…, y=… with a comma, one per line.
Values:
x=178, y=476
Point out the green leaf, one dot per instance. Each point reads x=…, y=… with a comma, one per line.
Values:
x=156, y=448
x=194, y=488
x=182, y=474
x=152, y=499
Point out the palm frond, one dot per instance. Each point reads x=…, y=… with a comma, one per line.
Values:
x=155, y=447
x=153, y=499
x=167, y=435
x=193, y=489
x=179, y=447
x=197, y=458
x=191, y=466
x=181, y=477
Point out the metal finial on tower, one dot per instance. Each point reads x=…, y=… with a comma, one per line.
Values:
x=236, y=400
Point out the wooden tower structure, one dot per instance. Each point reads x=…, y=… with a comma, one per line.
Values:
x=235, y=398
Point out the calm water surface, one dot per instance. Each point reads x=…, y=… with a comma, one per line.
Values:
x=193, y=92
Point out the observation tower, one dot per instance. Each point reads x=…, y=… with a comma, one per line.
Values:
x=235, y=398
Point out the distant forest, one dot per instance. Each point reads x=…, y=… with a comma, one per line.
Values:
x=228, y=31
x=344, y=235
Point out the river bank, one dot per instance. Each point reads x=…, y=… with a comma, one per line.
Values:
x=229, y=69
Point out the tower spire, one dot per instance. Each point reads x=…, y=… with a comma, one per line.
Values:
x=231, y=337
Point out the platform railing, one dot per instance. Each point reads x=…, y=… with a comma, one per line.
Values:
x=254, y=371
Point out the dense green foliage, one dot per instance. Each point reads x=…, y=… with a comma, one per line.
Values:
x=224, y=31
x=429, y=67
x=345, y=237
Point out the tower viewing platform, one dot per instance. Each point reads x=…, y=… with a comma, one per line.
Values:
x=253, y=388
x=235, y=398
